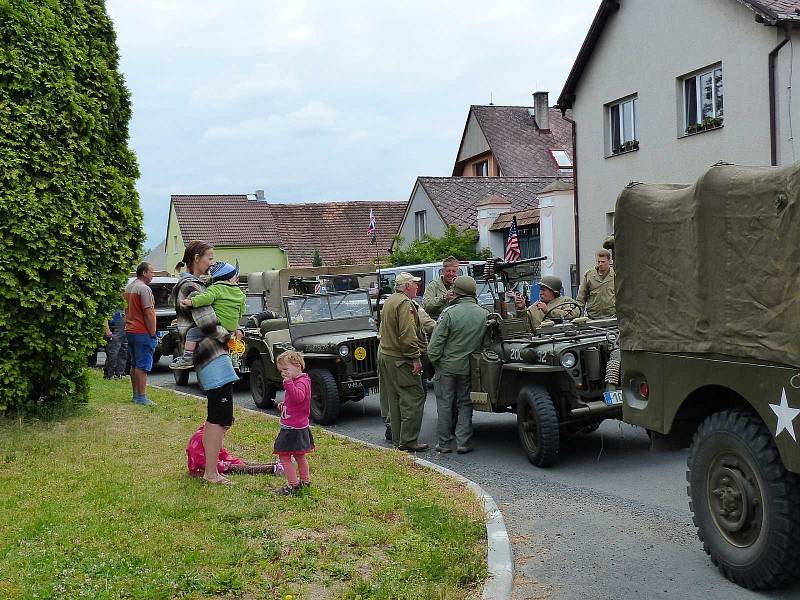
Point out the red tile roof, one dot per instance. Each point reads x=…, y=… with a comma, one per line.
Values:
x=456, y=198
x=339, y=230
x=225, y=220
x=520, y=148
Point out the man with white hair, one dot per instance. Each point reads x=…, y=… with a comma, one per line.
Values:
x=400, y=364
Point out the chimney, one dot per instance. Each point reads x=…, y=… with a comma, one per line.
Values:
x=541, y=111
x=259, y=195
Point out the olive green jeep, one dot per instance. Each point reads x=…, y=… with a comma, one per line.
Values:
x=708, y=301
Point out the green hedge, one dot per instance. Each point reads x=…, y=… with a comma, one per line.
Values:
x=70, y=222
x=461, y=244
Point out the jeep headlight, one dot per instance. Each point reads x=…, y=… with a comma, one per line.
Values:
x=568, y=360
x=344, y=351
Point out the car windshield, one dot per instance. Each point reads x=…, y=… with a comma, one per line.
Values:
x=325, y=307
x=161, y=294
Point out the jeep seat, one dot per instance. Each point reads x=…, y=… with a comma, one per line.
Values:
x=273, y=325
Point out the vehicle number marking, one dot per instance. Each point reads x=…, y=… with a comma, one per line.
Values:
x=613, y=398
x=360, y=353
x=516, y=354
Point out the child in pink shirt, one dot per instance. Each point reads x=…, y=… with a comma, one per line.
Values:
x=226, y=462
x=295, y=439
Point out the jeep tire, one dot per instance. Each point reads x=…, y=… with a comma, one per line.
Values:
x=325, y=401
x=537, y=425
x=744, y=501
x=262, y=390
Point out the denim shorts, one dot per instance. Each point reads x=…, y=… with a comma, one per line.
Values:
x=141, y=347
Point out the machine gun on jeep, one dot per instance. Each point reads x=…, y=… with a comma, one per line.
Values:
x=553, y=375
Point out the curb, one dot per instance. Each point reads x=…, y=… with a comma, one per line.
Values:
x=500, y=557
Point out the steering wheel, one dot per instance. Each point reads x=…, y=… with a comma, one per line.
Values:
x=561, y=307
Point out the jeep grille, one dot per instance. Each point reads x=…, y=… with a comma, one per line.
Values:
x=368, y=366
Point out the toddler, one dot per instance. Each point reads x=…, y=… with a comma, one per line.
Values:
x=228, y=302
x=295, y=439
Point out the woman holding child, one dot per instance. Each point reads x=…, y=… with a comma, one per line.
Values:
x=211, y=359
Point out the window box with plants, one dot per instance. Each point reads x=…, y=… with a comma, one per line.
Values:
x=628, y=146
x=706, y=124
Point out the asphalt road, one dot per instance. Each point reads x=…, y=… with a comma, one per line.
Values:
x=609, y=521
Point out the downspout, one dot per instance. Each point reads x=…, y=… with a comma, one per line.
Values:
x=773, y=134
x=574, y=191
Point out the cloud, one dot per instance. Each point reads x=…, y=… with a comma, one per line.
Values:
x=314, y=118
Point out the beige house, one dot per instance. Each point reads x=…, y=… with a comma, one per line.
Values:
x=663, y=119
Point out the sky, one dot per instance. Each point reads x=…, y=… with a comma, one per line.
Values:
x=324, y=100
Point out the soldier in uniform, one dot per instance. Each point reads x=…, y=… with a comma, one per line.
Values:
x=400, y=364
x=458, y=334
x=597, y=288
x=551, y=303
x=440, y=291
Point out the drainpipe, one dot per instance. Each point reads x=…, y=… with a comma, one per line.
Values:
x=574, y=191
x=773, y=134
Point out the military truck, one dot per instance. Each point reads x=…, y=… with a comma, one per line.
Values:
x=552, y=375
x=708, y=301
x=335, y=331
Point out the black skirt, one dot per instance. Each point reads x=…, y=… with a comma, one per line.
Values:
x=294, y=441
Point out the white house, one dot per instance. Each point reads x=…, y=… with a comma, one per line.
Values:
x=646, y=93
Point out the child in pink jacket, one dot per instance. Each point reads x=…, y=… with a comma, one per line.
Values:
x=295, y=439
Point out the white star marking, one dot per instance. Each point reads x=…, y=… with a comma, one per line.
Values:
x=786, y=415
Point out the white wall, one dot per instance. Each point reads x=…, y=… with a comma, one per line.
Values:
x=420, y=201
x=557, y=234
x=474, y=141
x=646, y=46
x=787, y=72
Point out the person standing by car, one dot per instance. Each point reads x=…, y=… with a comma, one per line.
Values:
x=140, y=330
x=597, y=288
x=116, y=347
x=400, y=364
x=440, y=291
x=212, y=362
x=458, y=334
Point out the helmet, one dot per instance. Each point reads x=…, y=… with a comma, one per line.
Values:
x=552, y=283
x=464, y=285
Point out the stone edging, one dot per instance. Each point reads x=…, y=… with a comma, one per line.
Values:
x=500, y=558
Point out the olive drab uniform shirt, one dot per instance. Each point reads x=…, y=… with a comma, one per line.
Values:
x=433, y=299
x=597, y=294
x=569, y=311
x=458, y=334
x=401, y=332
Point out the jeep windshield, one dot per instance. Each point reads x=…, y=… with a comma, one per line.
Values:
x=327, y=307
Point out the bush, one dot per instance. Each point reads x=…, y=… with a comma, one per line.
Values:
x=70, y=223
x=461, y=244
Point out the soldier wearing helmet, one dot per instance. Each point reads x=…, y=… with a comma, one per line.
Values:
x=551, y=304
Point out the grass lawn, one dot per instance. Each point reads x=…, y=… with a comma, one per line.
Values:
x=100, y=505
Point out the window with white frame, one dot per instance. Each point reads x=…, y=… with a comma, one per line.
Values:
x=702, y=100
x=481, y=169
x=563, y=160
x=419, y=224
x=623, y=123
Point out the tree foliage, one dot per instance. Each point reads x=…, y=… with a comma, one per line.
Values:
x=461, y=244
x=70, y=222
x=316, y=260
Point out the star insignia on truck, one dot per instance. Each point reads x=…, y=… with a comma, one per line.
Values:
x=786, y=415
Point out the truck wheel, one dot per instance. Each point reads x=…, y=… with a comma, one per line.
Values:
x=181, y=376
x=324, y=397
x=744, y=501
x=261, y=389
x=537, y=424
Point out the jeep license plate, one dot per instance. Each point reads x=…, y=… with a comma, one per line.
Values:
x=352, y=385
x=373, y=391
x=613, y=398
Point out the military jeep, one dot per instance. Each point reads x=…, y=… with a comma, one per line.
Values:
x=336, y=333
x=708, y=300
x=553, y=376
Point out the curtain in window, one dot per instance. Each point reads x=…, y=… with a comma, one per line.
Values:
x=690, y=90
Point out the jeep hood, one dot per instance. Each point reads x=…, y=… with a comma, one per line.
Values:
x=334, y=339
x=712, y=267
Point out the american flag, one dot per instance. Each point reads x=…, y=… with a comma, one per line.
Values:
x=371, y=229
x=512, y=244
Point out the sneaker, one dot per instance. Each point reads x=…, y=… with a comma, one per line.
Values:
x=305, y=485
x=289, y=490
x=144, y=401
x=182, y=362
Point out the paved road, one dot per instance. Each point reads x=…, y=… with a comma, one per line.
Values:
x=609, y=521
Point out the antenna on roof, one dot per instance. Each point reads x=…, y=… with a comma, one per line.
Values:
x=491, y=99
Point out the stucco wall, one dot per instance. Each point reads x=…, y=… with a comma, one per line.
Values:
x=174, y=245
x=787, y=71
x=557, y=235
x=638, y=53
x=420, y=201
x=474, y=141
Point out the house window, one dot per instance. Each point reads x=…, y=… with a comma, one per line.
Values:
x=563, y=161
x=702, y=100
x=481, y=169
x=623, y=125
x=419, y=225
x=529, y=242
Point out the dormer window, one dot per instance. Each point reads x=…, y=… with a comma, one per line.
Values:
x=481, y=168
x=563, y=161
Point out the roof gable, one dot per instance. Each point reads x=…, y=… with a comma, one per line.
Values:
x=520, y=148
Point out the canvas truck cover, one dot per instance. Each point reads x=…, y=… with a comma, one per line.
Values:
x=712, y=267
